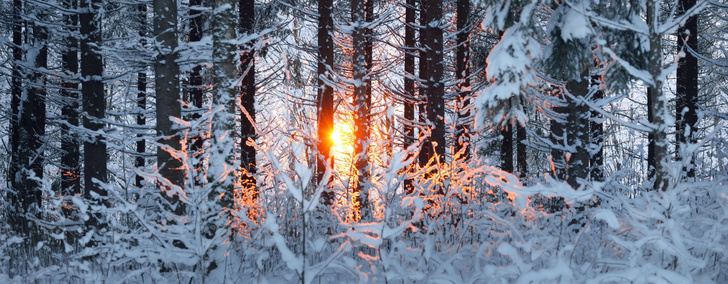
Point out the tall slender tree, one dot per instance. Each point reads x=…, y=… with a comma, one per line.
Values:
x=657, y=104
x=362, y=100
x=70, y=167
x=325, y=92
x=92, y=90
x=247, y=98
x=597, y=132
x=141, y=119
x=196, y=88
x=409, y=81
x=577, y=130
x=167, y=90
x=32, y=126
x=15, y=214
x=686, y=117
x=462, y=75
x=435, y=88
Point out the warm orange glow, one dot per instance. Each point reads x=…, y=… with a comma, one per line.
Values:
x=343, y=139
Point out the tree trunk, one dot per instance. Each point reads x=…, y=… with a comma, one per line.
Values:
x=462, y=74
x=409, y=82
x=521, y=152
x=425, y=151
x=92, y=89
x=166, y=87
x=325, y=94
x=597, y=133
x=362, y=99
x=557, y=127
x=195, y=89
x=686, y=117
x=506, y=152
x=32, y=130
x=141, y=144
x=247, y=117
x=577, y=130
x=15, y=217
x=435, y=89
x=657, y=99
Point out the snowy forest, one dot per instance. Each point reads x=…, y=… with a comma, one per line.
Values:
x=369, y=141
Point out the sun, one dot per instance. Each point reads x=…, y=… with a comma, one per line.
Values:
x=342, y=139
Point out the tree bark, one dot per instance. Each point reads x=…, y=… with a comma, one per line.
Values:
x=247, y=117
x=409, y=82
x=506, y=151
x=92, y=90
x=657, y=99
x=686, y=118
x=425, y=151
x=521, y=158
x=15, y=217
x=362, y=99
x=195, y=89
x=558, y=128
x=597, y=133
x=577, y=130
x=141, y=144
x=325, y=94
x=435, y=90
x=462, y=75
x=167, y=89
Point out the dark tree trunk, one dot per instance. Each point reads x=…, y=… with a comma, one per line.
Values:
x=686, y=117
x=167, y=89
x=362, y=97
x=92, y=89
x=657, y=100
x=435, y=88
x=577, y=130
x=32, y=130
x=425, y=151
x=506, y=151
x=597, y=133
x=462, y=74
x=521, y=157
x=557, y=127
x=409, y=82
x=141, y=144
x=325, y=93
x=70, y=168
x=247, y=99
x=14, y=214
x=195, y=89
x=650, y=139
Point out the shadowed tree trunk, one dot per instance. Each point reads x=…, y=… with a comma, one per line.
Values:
x=32, y=130
x=246, y=18
x=462, y=74
x=558, y=129
x=195, y=88
x=577, y=130
x=521, y=158
x=424, y=154
x=506, y=152
x=141, y=144
x=686, y=118
x=361, y=65
x=597, y=133
x=325, y=94
x=167, y=90
x=657, y=100
x=14, y=216
x=92, y=89
x=409, y=82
